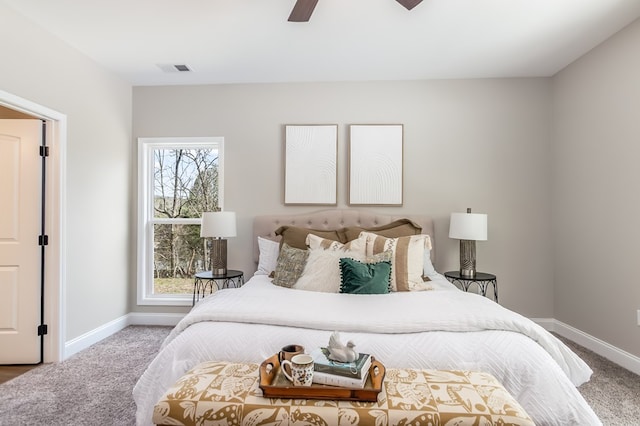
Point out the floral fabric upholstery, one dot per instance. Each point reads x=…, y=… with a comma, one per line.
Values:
x=227, y=393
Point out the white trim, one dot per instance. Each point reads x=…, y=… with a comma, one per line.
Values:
x=56, y=221
x=143, y=318
x=600, y=347
x=89, y=338
x=79, y=343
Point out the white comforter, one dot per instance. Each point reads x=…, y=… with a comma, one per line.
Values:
x=433, y=329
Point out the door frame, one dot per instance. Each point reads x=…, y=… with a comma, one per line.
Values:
x=55, y=218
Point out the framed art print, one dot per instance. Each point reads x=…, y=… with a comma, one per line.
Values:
x=375, y=164
x=311, y=157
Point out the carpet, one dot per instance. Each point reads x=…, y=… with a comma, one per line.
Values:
x=94, y=386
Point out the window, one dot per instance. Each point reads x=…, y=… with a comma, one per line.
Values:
x=179, y=178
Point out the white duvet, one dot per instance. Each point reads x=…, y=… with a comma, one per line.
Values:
x=437, y=329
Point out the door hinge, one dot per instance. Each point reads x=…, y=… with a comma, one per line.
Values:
x=43, y=240
x=44, y=151
x=42, y=329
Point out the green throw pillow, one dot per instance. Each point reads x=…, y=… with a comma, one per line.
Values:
x=364, y=278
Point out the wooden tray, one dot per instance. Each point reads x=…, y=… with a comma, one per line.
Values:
x=275, y=385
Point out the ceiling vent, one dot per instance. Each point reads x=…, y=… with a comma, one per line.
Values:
x=174, y=67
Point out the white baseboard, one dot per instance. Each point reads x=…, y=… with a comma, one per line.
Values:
x=79, y=343
x=600, y=347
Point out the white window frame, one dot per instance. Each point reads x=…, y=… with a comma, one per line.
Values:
x=146, y=218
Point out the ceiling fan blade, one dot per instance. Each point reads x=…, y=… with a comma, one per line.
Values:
x=409, y=4
x=302, y=10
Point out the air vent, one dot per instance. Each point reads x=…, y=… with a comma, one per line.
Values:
x=174, y=67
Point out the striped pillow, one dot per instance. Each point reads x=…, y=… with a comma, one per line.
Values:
x=315, y=242
x=407, y=261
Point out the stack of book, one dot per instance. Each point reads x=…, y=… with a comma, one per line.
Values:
x=344, y=374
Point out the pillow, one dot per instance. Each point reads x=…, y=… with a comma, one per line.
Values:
x=289, y=266
x=364, y=278
x=295, y=236
x=407, y=259
x=322, y=270
x=313, y=242
x=397, y=228
x=268, y=258
x=428, y=269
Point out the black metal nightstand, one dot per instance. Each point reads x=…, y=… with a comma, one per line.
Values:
x=481, y=279
x=207, y=279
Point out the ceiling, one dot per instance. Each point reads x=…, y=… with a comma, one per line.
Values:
x=250, y=41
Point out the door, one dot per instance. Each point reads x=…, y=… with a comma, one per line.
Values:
x=20, y=222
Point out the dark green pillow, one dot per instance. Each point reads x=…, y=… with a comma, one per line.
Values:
x=364, y=278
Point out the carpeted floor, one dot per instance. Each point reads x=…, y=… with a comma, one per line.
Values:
x=94, y=386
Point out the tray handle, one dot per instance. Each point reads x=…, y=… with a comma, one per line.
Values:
x=268, y=370
x=376, y=372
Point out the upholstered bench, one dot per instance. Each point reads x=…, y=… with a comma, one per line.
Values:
x=229, y=393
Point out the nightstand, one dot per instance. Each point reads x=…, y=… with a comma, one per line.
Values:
x=482, y=280
x=206, y=279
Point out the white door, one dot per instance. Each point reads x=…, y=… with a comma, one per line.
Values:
x=20, y=219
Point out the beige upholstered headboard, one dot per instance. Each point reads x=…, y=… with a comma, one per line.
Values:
x=265, y=226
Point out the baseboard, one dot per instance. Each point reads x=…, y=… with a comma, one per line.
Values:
x=89, y=338
x=79, y=343
x=600, y=347
x=144, y=318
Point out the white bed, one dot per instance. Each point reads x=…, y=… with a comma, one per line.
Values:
x=443, y=328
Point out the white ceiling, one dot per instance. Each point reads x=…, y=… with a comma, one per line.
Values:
x=241, y=41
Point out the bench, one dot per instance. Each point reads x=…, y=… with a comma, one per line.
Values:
x=229, y=393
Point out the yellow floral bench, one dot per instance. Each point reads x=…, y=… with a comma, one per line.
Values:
x=215, y=393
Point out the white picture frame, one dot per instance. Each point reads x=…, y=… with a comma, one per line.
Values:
x=311, y=164
x=376, y=164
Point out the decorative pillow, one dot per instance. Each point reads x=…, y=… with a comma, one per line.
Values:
x=407, y=261
x=294, y=236
x=322, y=270
x=397, y=228
x=290, y=265
x=364, y=278
x=314, y=242
x=268, y=258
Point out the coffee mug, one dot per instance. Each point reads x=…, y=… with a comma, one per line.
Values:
x=301, y=369
x=289, y=352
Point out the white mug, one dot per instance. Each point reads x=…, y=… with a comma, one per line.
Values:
x=301, y=369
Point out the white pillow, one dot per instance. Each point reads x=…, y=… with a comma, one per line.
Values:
x=268, y=258
x=322, y=271
x=428, y=268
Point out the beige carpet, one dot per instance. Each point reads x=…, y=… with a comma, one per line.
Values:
x=94, y=386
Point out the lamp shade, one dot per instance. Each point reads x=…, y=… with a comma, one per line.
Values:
x=468, y=226
x=218, y=224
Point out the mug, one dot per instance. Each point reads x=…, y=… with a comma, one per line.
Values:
x=301, y=369
x=288, y=352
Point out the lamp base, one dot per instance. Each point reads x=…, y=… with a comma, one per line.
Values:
x=468, y=258
x=218, y=259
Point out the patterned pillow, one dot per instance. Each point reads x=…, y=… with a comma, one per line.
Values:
x=314, y=241
x=290, y=265
x=364, y=278
x=407, y=259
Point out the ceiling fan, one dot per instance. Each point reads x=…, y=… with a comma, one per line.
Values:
x=303, y=9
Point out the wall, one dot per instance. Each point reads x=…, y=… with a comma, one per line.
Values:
x=41, y=69
x=483, y=144
x=595, y=194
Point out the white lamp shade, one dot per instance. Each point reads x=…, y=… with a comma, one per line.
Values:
x=218, y=224
x=468, y=226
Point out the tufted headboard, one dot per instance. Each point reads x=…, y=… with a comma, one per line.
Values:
x=265, y=226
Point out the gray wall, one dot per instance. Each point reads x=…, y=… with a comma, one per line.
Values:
x=596, y=195
x=483, y=144
x=40, y=68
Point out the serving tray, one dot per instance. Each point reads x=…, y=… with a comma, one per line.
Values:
x=275, y=385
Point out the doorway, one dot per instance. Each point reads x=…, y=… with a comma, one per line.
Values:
x=12, y=106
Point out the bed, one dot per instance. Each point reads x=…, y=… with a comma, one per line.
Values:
x=427, y=324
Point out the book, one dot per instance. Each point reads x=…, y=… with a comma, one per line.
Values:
x=340, y=381
x=354, y=370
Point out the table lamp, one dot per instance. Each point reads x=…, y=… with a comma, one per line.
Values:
x=218, y=226
x=468, y=228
